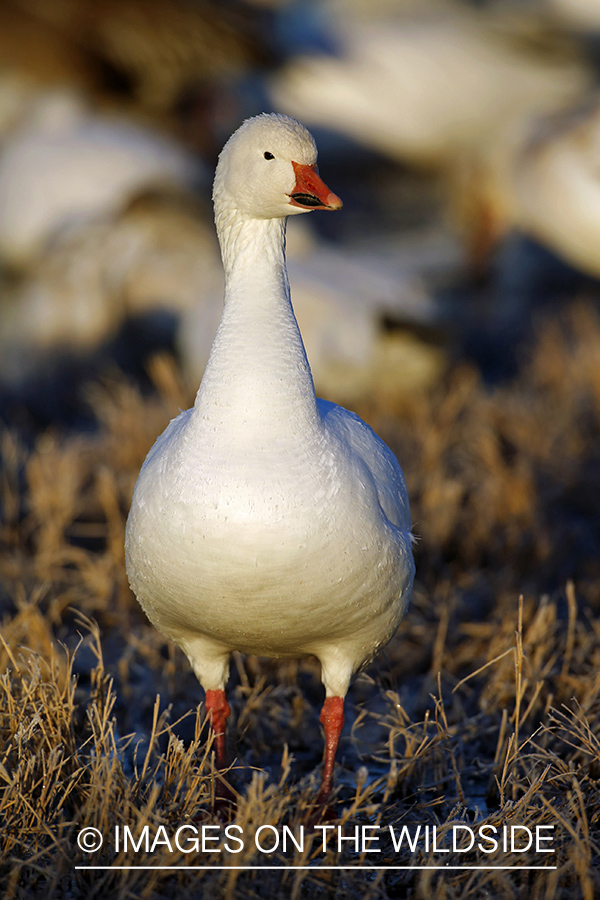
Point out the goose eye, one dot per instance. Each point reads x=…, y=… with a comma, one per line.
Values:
x=268, y=155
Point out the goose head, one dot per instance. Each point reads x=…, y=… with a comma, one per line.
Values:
x=268, y=170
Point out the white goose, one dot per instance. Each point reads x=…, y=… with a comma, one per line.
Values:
x=265, y=520
x=556, y=191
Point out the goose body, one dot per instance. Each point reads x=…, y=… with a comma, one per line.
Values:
x=265, y=520
x=556, y=190
x=580, y=15
x=63, y=165
x=425, y=87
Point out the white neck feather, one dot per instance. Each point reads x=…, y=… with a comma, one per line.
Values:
x=257, y=381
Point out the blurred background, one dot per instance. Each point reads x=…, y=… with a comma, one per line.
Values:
x=463, y=137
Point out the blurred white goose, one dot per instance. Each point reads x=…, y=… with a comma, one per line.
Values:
x=581, y=15
x=423, y=88
x=265, y=520
x=557, y=189
x=62, y=165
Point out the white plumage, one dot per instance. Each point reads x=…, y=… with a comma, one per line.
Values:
x=63, y=165
x=556, y=187
x=265, y=520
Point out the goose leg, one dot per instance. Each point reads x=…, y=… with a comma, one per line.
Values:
x=332, y=720
x=218, y=710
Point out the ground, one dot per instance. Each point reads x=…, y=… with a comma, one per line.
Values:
x=483, y=710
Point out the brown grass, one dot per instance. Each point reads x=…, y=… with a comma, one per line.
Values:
x=484, y=709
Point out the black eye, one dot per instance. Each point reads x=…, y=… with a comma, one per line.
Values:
x=268, y=155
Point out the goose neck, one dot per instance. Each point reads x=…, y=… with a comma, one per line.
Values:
x=250, y=245
x=257, y=379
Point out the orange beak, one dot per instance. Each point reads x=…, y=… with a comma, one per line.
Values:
x=310, y=192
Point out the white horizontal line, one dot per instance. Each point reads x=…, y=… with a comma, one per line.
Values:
x=313, y=868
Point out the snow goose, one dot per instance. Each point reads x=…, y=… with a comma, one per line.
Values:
x=264, y=520
x=451, y=91
x=423, y=88
x=149, y=262
x=556, y=189
x=63, y=164
x=580, y=15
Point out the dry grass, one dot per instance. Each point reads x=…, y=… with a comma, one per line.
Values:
x=485, y=708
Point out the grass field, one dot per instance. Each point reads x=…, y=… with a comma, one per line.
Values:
x=483, y=710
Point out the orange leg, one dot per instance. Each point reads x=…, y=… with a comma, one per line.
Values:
x=217, y=708
x=332, y=720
